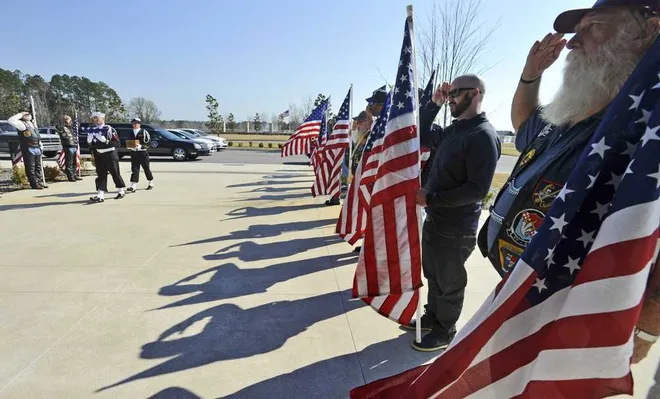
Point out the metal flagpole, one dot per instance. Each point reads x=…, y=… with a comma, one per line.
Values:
x=36, y=127
x=418, y=317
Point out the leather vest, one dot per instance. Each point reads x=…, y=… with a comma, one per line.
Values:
x=67, y=137
x=29, y=137
x=534, y=199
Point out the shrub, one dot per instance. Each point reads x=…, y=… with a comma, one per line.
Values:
x=18, y=175
x=280, y=146
x=488, y=199
x=261, y=145
x=249, y=144
x=230, y=144
x=240, y=144
x=51, y=173
x=270, y=145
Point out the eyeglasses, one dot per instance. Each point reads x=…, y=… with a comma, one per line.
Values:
x=457, y=92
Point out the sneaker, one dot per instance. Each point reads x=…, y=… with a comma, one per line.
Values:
x=332, y=202
x=96, y=199
x=431, y=343
x=120, y=196
x=78, y=178
x=150, y=187
x=427, y=324
x=130, y=190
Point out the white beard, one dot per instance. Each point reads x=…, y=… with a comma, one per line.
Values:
x=590, y=82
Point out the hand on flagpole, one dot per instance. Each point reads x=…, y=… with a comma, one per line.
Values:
x=420, y=197
x=641, y=350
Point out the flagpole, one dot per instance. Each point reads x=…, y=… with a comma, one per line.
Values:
x=36, y=126
x=418, y=317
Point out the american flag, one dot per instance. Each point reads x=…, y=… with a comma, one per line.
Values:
x=561, y=323
x=427, y=94
x=300, y=141
x=388, y=273
x=284, y=114
x=353, y=217
x=18, y=157
x=330, y=157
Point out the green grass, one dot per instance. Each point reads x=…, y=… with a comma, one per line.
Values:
x=259, y=138
x=498, y=180
x=510, y=149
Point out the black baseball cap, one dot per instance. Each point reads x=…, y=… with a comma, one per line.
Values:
x=378, y=96
x=566, y=21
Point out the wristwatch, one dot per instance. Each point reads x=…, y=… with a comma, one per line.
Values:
x=644, y=336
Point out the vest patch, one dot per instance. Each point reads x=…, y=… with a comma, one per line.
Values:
x=529, y=155
x=27, y=133
x=509, y=254
x=545, y=193
x=525, y=225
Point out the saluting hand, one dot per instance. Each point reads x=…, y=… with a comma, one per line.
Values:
x=543, y=54
x=441, y=94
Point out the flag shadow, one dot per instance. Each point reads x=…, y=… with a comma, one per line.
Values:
x=277, y=189
x=285, y=176
x=335, y=377
x=283, y=197
x=268, y=183
x=251, y=211
x=10, y=207
x=249, y=251
x=234, y=333
x=264, y=231
x=230, y=281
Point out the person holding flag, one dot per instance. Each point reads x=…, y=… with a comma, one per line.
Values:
x=69, y=140
x=103, y=141
x=466, y=155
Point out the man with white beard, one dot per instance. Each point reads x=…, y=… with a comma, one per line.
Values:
x=609, y=41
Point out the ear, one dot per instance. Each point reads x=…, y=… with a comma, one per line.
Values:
x=652, y=28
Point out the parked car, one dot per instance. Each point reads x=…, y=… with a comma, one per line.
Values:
x=163, y=142
x=208, y=146
x=221, y=143
x=9, y=140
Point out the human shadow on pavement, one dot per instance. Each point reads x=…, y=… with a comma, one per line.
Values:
x=265, y=230
x=65, y=195
x=230, y=281
x=277, y=189
x=283, y=197
x=175, y=393
x=303, y=163
x=285, y=176
x=269, y=183
x=335, y=377
x=249, y=251
x=251, y=211
x=11, y=207
x=232, y=332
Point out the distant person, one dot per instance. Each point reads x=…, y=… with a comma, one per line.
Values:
x=376, y=102
x=362, y=124
x=69, y=141
x=103, y=141
x=140, y=156
x=31, y=148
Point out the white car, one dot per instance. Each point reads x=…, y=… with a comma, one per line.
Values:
x=221, y=143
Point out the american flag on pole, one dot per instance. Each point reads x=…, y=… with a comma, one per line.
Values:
x=561, y=323
x=353, y=217
x=18, y=157
x=329, y=157
x=300, y=141
x=388, y=274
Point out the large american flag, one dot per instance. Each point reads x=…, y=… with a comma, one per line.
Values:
x=388, y=273
x=329, y=156
x=561, y=323
x=300, y=142
x=352, y=220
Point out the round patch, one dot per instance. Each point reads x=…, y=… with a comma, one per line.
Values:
x=27, y=133
x=545, y=193
x=525, y=225
x=154, y=144
x=527, y=157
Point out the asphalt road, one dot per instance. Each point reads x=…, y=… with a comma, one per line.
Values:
x=256, y=157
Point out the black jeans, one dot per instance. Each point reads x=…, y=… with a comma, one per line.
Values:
x=140, y=158
x=443, y=261
x=70, y=161
x=107, y=162
x=33, y=167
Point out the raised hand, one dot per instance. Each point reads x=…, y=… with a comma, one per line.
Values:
x=542, y=55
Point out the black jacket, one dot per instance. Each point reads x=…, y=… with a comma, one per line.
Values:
x=465, y=156
x=67, y=137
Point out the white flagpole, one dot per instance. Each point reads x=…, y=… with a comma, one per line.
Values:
x=418, y=319
x=36, y=126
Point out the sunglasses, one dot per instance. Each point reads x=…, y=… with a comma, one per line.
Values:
x=457, y=92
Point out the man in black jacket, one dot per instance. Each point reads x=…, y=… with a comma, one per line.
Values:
x=139, y=156
x=466, y=154
x=69, y=141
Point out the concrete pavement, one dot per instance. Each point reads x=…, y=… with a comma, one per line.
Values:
x=225, y=280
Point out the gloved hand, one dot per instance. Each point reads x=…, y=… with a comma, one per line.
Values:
x=101, y=138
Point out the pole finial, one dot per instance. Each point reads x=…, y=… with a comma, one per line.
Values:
x=409, y=8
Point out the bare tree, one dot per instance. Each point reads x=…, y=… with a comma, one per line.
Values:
x=299, y=112
x=453, y=38
x=144, y=109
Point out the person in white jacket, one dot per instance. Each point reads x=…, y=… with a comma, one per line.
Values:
x=31, y=148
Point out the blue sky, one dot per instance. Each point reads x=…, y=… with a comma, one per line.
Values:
x=255, y=55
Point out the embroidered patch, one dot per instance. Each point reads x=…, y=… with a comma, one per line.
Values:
x=525, y=225
x=545, y=193
x=27, y=133
x=545, y=131
x=509, y=254
x=527, y=157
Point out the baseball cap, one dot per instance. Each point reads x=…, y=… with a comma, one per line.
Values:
x=566, y=21
x=378, y=96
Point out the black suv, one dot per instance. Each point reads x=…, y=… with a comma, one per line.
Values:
x=163, y=143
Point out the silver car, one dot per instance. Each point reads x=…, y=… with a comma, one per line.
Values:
x=208, y=146
x=221, y=143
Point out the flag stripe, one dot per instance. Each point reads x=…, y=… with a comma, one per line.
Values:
x=629, y=223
